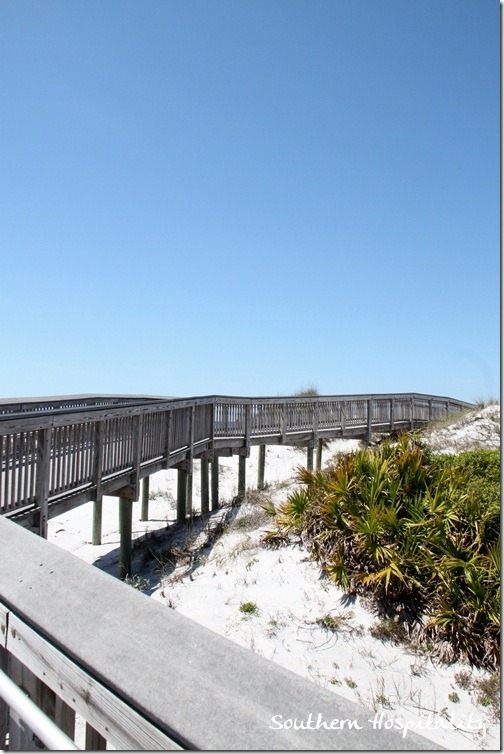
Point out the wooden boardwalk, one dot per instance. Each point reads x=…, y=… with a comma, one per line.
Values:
x=79, y=642
x=58, y=453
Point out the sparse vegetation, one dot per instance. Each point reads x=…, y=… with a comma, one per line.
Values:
x=249, y=608
x=333, y=622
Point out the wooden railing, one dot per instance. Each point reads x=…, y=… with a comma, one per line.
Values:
x=140, y=676
x=59, y=453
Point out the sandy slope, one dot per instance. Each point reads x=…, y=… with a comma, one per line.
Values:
x=287, y=596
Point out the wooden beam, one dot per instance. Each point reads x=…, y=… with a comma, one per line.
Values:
x=319, y=454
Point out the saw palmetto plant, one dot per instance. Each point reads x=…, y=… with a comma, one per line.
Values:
x=418, y=532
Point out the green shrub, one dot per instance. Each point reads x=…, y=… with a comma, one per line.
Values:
x=419, y=532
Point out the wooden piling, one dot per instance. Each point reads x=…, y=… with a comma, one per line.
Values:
x=205, y=490
x=242, y=466
x=181, y=495
x=320, y=444
x=125, y=533
x=144, y=515
x=215, y=483
x=261, y=467
x=189, y=496
x=309, y=457
x=97, y=521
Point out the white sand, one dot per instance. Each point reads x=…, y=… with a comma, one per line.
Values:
x=289, y=596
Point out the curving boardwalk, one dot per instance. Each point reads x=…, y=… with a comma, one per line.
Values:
x=78, y=641
x=58, y=453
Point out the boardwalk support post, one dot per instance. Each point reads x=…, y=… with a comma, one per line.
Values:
x=181, y=495
x=144, y=515
x=205, y=490
x=319, y=454
x=215, y=482
x=261, y=467
x=242, y=461
x=97, y=521
x=189, y=496
x=309, y=457
x=125, y=532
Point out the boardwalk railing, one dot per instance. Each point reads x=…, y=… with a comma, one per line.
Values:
x=144, y=677
x=58, y=453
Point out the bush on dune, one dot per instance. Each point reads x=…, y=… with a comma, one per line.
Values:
x=418, y=532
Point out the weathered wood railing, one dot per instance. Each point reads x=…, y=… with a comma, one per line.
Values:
x=61, y=452
x=144, y=677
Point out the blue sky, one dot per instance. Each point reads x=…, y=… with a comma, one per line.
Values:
x=249, y=196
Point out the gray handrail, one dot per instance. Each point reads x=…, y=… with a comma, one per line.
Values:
x=147, y=677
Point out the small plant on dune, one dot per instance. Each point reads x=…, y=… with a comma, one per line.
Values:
x=418, y=532
x=333, y=623
x=249, y=609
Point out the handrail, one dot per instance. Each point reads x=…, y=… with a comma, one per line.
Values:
x=145, y=677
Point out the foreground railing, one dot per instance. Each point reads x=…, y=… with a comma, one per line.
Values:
x=70, y=450
x=85, y=646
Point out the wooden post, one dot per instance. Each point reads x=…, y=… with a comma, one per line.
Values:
x=319, y=454
x=144, y=516
x=97, y=521
x=261, y=467
x=181, y=495
x=242, y=461
x=369, y=422
x=205, y=490
x=125, y=531
x=189, y=495
x=309, y=457
x=215, y=483
x=391, y=414
x=42, y=485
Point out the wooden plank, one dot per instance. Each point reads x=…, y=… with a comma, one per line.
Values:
x=108, y=715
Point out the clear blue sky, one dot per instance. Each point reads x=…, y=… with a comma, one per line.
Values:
x=248, y=196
